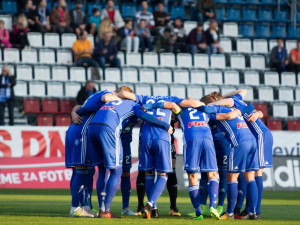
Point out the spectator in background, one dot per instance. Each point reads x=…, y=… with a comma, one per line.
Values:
x=4, y=35
x=19, y=34
x=78, y=22
x=94, y=21
x=179, y=34
x=85, y=92
x=127, y=37
x=295, y=59
x=278, y=57
x=145, y=15
x=161, y=18
x=60, y=18
x=42, y=19
x=7, y=96
x=113, y=14
x=144, y=35
x=205, y=9
x=29, y=12
x=165, y=41
x=106, y=52
x=196, y=40
x=212, y=38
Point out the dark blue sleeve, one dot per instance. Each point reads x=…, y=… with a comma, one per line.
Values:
x=140, y=99
x=174, y=99
x=237, y=97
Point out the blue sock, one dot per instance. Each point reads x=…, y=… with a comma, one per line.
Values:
x=78, y=188
x=126, y=189
x=101, y=183
x=72, y=177
x=242, y=191
x=158, y=188
x=149, y=182
x=203, y=188
x=213, y=188
x=89, y=186
x=252, y=194
x=260, y=189
x=112, y=187
x=232, y=192
x=195, y=198
x=222, y=187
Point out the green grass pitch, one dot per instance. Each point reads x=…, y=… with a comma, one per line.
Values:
x=52, y=207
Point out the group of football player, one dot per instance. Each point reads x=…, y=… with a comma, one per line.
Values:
x=223, y=138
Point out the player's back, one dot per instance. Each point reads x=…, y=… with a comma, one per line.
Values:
x=194, y=124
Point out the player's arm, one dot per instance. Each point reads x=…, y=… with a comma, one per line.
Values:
x=126, y=95
x=190, y=102
x=109, y=98
x=163, y=105
x=228, y=116
x=228, y=102
x=75, y=117
x=254, y=116
x=242, y=92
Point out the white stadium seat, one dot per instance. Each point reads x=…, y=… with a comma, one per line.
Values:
x=42, y=73
x=91, y=39
x=107, y=86
x=288, y=79
x=214, y=77
x=217, y=62
x=260, y=46
x=67, y=40
x=198, y=77
x=290, y=44
x=126, y=84
x=55, y=89
x=181, y=76
x=201, y=61
x=257, y=62
x=226, y=44
x=160, y=90
x=130, y=74
x=47, y=56
x=133, y=59
x=195, y=91
x=178, y=90
x=251, y=78
x=29, y=56
x=35, y=39
x=272, y=44
x=112, y=75
x=121, y=56
x=77, y=74
x=286, y=94
x=297, y=90
x=271, y=78
x=64, y=57
x=265, y=94
x=184, y=60
x=243, y=45
x=21, y=89
x=51, y=40
x=280, y=110
x=143, y=89
x=37, y=89
x=231, y=77
x=189, y=26
x=230, y=29
x=296, y=110
x=60, y=73
x=209, y=89
x=147, y=76
x=11, y=55
x=8, y=21
x=164, y=76
x=150, y=59
x=71, y=89
x=227, y=89
x=250, y=94
x=167, y=59
x=237, y=62
x=24, y=72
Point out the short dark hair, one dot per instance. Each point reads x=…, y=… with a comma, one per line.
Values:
x=279, y=38
x=94, y=10
x=168, y=30
x=199, y=24
x=109, y=1
x=298, y=42
x=144, y=1
x=142, y=20
x=126, y=20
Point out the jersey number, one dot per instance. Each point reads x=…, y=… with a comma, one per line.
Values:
x=117, y=102
x=158, y=112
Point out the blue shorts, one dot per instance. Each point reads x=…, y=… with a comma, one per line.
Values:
x=127, y=164
x=265, y=145
x=155, y=154
x=244, y=157
x=104, y=147
x=222, y=147
x=199, y=154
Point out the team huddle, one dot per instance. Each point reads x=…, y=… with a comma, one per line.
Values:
x=223, y=138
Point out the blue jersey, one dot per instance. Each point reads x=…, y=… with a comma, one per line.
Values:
x=149, y=130
x=93, y=103
x=258, y=127
x=235, y=130
x=194, y=124
x=126, y=134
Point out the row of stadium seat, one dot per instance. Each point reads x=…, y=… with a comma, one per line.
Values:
x=70, y=89
x=163, y=75
x=48, y=105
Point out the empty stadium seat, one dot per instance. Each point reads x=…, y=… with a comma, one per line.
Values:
x=279, y=30
x=42, y=73
x=143, y=89
x=293, y=32
x=286, y=94
x=167, y=59
x=189, y=26
x=160, y=90
x=269, y=2
x=125, y=84
x=263, y=107
x=64, y=57
x=121, y=56
x=227, y=89
x=164, y=76
x=233, y=14
x=288, y=79
x=90, y=73
x=250, y=94
x=49, y=105
x=29, y=56
x=35, y=39
x=208, y=89
x=184, y=60
x=271, y=78
x=230, y=29
x=8, y=21
x=195, y=91
x=128, y=10
x=178, y=90
x=44, y=120
x=107, y=86
x=220, y=14
x=231, y=78
x=11, y=55
x=66, y=105
x=257, y=62
x=290, y=44
x=293, y=125
x=280, y=110
x=181, y=76
x=71, y=89
x=263, y=31
x=24, y=72
x=31, y=105
x=272, y=44
x=201, y=61
x=77, y=74
x=274, y=124
x=62, y=120
x=296, y=110
x=150, y=59
x=243, y=45
x=217, y=62
x=177, y=11
x=265, y=14
x=226, y=44
x=133, y=59
x=67, y=40
x=55, y=89
x=37, y=89
x=281, y=15
x=112, y=75
x=21, y=89
x=91, y=39
x=297, y=90
x=198, y=77
x=260, y=46
x=249, y=14
x=237, y=62
x=147, y=76
x=247, y=30
x=47, y=56
x=265, y=94
x=251, y=78
x=51, y=40
x=60, y=73
x=214, y=77
x=130, y=75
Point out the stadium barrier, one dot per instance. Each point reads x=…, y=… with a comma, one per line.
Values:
x=33, y=157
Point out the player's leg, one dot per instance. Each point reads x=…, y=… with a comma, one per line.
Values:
x=172, y=186
x=260, y=188
x=242, y=191
x=90, y=183
x=222, y=190
x=140, y=189
x=203, y=186
x=101, y=184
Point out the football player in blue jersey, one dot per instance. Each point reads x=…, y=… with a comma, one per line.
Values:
x=264, y=141
x=243, y=156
